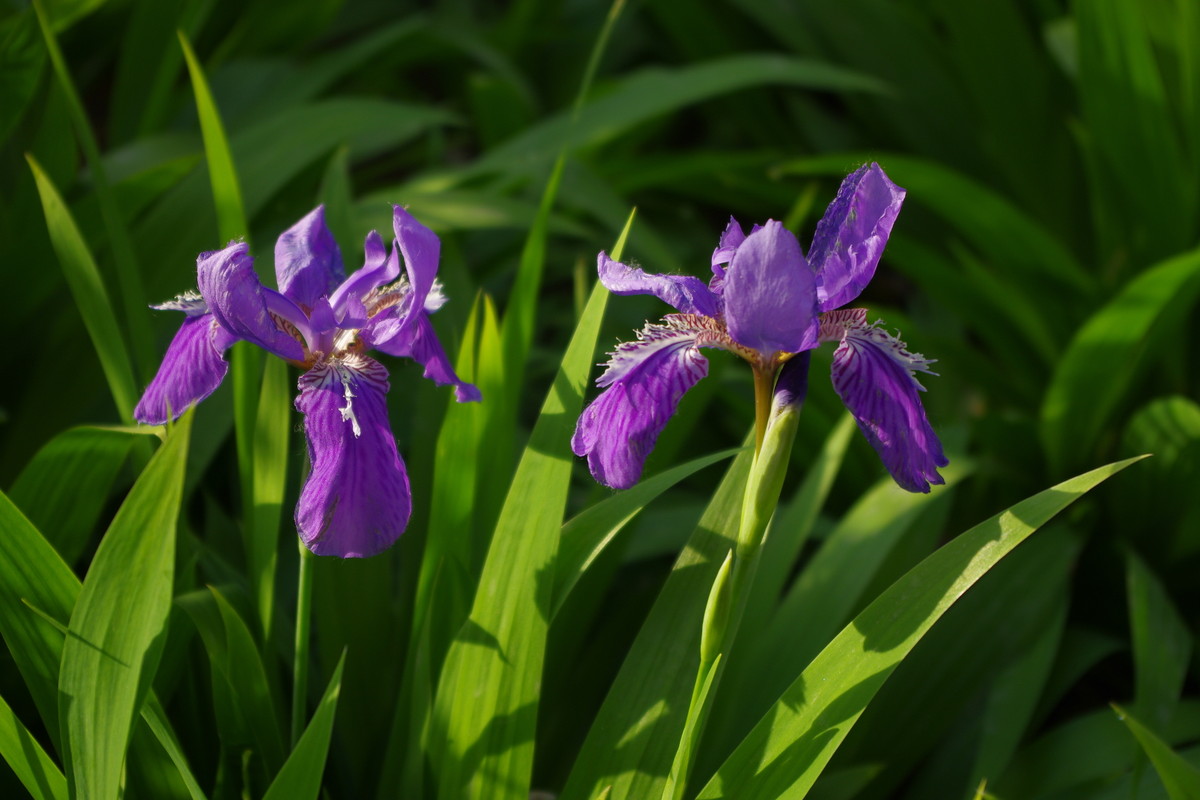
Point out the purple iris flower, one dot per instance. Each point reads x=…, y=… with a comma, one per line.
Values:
x=356, y=500
x=767, y=303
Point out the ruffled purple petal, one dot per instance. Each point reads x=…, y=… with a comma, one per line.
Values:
x=356, y=501
x=421, y=345
x=731, y=238
x=308, y=264
x=191, y=370
x=874, y=375
x=378, y=268
x=645, y=381
x=770, y=293
x=240, y=303
x=685, y=293
x=421, y=249
x=850, y=238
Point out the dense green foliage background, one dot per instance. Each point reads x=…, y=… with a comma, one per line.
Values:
x=1046, y=256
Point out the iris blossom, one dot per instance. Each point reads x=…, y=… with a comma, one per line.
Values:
x=356, y=500
x=767, y=303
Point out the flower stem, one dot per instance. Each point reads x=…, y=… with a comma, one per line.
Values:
x=763, y=382
x=303, y=628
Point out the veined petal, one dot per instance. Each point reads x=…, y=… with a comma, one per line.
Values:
x=356, y=501
x=421, y=345
x=770, y=293
x=850, y=237
x=239, y=302
x=874, y=374
x=421, y=249
x=191, y=370
x=646, y=380
x=685, y=293
x=378, y=268
x=308, y=264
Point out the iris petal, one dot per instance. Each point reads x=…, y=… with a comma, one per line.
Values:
x=874, y=374
x=191, y=370
x=850, y=237
x=239, y=302
x=356, y=501
x=308, y=264
x=378, y=269
x=770, y=297
x=687, y=294
x=645, y=381
x=421, y=249
x=422, y=345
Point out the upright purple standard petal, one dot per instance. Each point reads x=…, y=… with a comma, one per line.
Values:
x=850, y=237
x=687, y=294
x=356, y=501
x=770, y=293
x=308, y=264
x=191, y=370
x=646, y=380
x=239, y=302
x=873, y=373
x=731, y=238
x=378, y=269
x=421, y=249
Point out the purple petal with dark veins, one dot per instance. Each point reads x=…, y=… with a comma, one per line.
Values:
x=421, y=249
x=191, y=370
x=645, y=381
x=873, y=373
x=239, y=302
x=422, y=346
x=770, y=293
x=685, y=293
x=308, y=263
x=378, y=268
x=356, y=501
x=850, y=237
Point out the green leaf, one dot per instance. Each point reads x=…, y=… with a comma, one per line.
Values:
x=789, y=748
x=270, y=460
x=223, y=177
x=1162, y=644
x=64, y=487
x=1181, y=779
x=300, y=778
x=37, y=772
x=485, y=746
x=21, y=60
x=87, y=288
x=1086, y=391
x=119, y=623
x=633, y=739
x=586, y=535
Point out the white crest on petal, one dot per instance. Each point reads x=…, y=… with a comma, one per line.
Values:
x=189, y=302
x=851, y=323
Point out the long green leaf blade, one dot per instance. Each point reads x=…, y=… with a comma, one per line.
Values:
x=37, y=772
x=119, y=624
x=789, y=748
x=300, y=777
x=1181, y=779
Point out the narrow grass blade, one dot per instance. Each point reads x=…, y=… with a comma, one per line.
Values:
x=269, y=470
x=155, y=719
x=64, y=487
x=133, y=296
x=37, y=772
x=87, y=288
x=226, y=190
x=1180, y=778
x=789, y=748
x=586, y=535
x=486, y=706
x=300, y=777
x=119, y=624
x=1162, y=644
x=1085, y=390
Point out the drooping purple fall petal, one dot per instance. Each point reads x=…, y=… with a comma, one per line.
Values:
x=874, y=374
x=356, y=501
x=308, y=264
x=191, y=370
x=770, y=293
x=685, y=293
x=645, y=381
x=850, y=237
x=239, y=302
x=421, y=344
